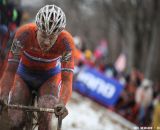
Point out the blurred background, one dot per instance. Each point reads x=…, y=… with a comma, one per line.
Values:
x=117, y=44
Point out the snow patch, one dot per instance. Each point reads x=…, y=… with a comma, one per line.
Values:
x=86, y=115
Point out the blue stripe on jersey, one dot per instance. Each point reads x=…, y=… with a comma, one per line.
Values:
x=40, y=59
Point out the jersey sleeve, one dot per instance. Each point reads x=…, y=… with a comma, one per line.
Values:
x=19, y=41
x=67, y=67
x=67, y=63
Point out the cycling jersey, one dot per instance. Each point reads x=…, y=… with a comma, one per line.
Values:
x=33, y=62
x=35, y=59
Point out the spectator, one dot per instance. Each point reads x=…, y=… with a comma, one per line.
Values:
x=156, y=114
x=4, y=46
x=143, y=97
x=10, y=15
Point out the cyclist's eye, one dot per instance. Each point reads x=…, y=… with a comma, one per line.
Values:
x=52, y=38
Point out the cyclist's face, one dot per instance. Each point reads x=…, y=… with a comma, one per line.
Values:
x=45, y=41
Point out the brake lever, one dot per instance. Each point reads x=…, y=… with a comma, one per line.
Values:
x=59, y=125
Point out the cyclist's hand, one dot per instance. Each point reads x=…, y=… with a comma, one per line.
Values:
x=2, y=105
x=3, y=102
x=60, y=110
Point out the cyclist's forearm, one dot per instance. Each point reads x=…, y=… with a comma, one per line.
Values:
x=66, y=88
x=10, y=69
x=7, y=79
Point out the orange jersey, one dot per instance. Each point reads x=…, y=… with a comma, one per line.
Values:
x=36, y=67
x=61, y=53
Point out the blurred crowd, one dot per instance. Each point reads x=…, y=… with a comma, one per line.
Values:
x=10, y=19
x=140, y=100
x=10, y=14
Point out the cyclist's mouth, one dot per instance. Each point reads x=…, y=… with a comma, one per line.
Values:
x=44, y=47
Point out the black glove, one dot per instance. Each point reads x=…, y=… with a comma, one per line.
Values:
x=60, y=110
x=2, y=105
x=1, y=108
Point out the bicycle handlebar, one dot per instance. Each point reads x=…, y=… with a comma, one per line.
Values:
x=4, y=105
x=30, y=108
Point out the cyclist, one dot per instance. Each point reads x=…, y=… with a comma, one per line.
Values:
x=41, y=59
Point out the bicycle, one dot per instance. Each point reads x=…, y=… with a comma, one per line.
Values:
x=32, y=114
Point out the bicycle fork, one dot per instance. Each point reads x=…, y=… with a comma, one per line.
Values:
x=59, y=125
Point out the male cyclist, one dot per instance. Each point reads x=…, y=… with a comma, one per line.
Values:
x=41, y=59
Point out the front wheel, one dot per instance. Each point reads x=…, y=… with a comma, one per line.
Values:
x=31, y=121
